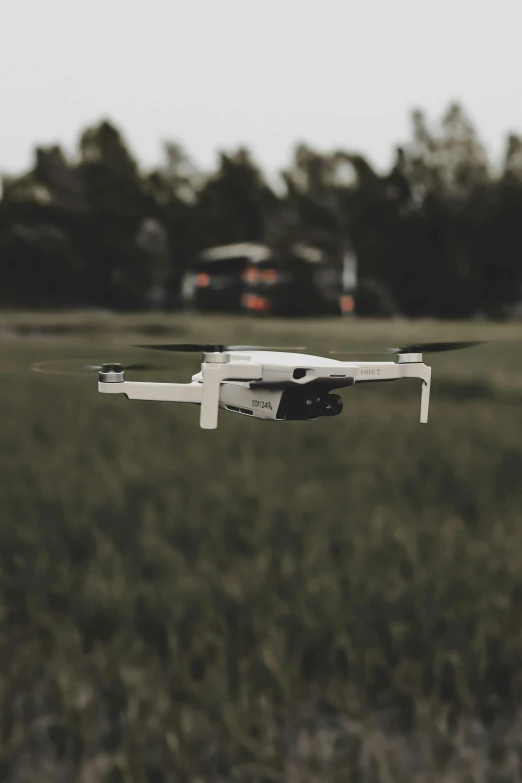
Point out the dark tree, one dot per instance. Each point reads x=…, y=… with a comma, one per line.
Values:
x=234, y=204
x=440, y=234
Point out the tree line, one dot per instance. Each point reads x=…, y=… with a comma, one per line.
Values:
x=439, y=234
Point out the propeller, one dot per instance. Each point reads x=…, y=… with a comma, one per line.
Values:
x=216, y=348
x=419, y=348
x=79, y=367
x=436, y=347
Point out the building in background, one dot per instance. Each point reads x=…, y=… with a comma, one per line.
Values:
x=300, y=280
x=214, y=281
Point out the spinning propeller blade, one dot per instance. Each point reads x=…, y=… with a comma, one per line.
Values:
x=435, y=347
x=79, y=367
x=216, y=348
x=416, y=348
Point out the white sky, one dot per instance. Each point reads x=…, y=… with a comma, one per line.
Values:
x=215, y=74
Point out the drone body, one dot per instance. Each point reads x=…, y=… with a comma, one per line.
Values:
x=264, y=383
x=267, y=384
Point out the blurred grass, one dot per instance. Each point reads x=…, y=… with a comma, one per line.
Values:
x=339, y=598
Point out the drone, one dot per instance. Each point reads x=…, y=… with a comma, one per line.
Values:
x=268, y=383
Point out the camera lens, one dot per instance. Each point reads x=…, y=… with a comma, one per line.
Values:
x=298, y=406
x=332, y=405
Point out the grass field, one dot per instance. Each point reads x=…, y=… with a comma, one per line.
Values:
x=325, y=601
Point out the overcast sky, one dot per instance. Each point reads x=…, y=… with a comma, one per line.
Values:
x=215, y=74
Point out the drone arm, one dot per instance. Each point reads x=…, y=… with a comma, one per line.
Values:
x=206, y=394
x=161, y=392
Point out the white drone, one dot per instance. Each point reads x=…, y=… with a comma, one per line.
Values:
x=267, y=384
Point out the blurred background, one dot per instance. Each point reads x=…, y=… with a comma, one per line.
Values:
x=302, y=601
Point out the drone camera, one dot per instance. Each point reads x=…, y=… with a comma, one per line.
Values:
x=299, y=407
x=332, y=405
